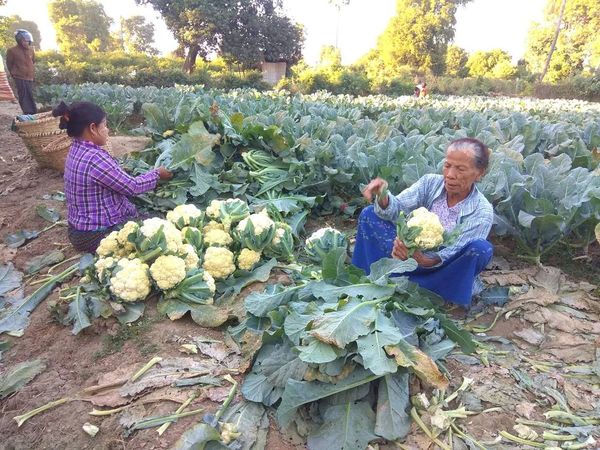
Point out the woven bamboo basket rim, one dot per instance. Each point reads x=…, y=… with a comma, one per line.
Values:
x=65, y=141
x=43, y=123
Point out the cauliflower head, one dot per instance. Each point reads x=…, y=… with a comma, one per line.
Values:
x=213, y=225
x=130, y=281
x=191, y=257
x=168, y=271
x=109, y=245
x=123, y=234
x=172, y=235
x=217, y=237
x=218, y=261
x=103, y=266
x=432, y=231
x=214, y=209
x=183, y=215
x=248, y=258
x=261, y=222
x=210, y=281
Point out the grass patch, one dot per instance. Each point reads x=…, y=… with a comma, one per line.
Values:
x=135, y=332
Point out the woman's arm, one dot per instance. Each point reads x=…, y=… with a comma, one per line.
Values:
x=109, y=174
x=407, y=201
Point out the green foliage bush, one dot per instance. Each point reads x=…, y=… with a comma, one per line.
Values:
x=138, y=70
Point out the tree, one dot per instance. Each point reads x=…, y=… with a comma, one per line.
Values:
x=242, y=32
x=576, y=34
x=418, y=35
x=553, y=46
x=338, y=4
x=491, y=64
x=137, y=35
x=456, y=61
x=82, y=26
x=11, y=24
x=330, y=56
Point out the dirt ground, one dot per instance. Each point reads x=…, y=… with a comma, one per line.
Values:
x=570, y=336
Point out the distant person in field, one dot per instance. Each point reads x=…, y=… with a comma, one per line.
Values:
x=423, y=91
x=19, y=62
x=451, y=272
x=6, y=92
x=96, y=187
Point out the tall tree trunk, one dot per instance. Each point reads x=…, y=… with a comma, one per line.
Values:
x=190, y=59
x=553, y=46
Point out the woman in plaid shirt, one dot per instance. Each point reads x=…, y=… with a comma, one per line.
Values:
x=96, y=187
x=453, y=271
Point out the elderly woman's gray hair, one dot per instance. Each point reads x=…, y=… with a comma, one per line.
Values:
x=481, y=153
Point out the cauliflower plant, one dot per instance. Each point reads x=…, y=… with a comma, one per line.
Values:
x=218, y=261
x=109, y=245
x=323, y=241
x=247, y=259
x=256, y=231
x=184, y=215
x=282, y=245
x=232, y=211
x=150, y=228
x=191, y=257
x=432, y=231
x=168, y=271
x=130, y=281
x=217, y=237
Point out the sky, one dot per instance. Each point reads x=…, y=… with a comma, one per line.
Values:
x=481, y=24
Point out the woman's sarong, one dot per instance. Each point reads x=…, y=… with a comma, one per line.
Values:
x=87, y=241
x=453, y=280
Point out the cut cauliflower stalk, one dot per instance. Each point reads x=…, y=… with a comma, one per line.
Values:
x=130, y=281
x=168, y=271
x=218, y=261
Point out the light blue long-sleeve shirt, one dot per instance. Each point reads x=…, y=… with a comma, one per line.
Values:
x=475, y=217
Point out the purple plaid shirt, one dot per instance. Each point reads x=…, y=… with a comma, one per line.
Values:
x=97, y=188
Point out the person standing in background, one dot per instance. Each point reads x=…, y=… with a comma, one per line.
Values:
x=19, y=62
x=6, y=92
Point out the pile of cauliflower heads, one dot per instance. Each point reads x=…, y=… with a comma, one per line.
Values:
x=183, y=255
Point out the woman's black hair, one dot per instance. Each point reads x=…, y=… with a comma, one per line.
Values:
x=480, y=151
x=78, y=116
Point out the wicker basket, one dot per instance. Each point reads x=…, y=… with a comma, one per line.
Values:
x=42, y=123
x=54, y=154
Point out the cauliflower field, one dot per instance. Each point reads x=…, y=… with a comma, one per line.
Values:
x=329, y=357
